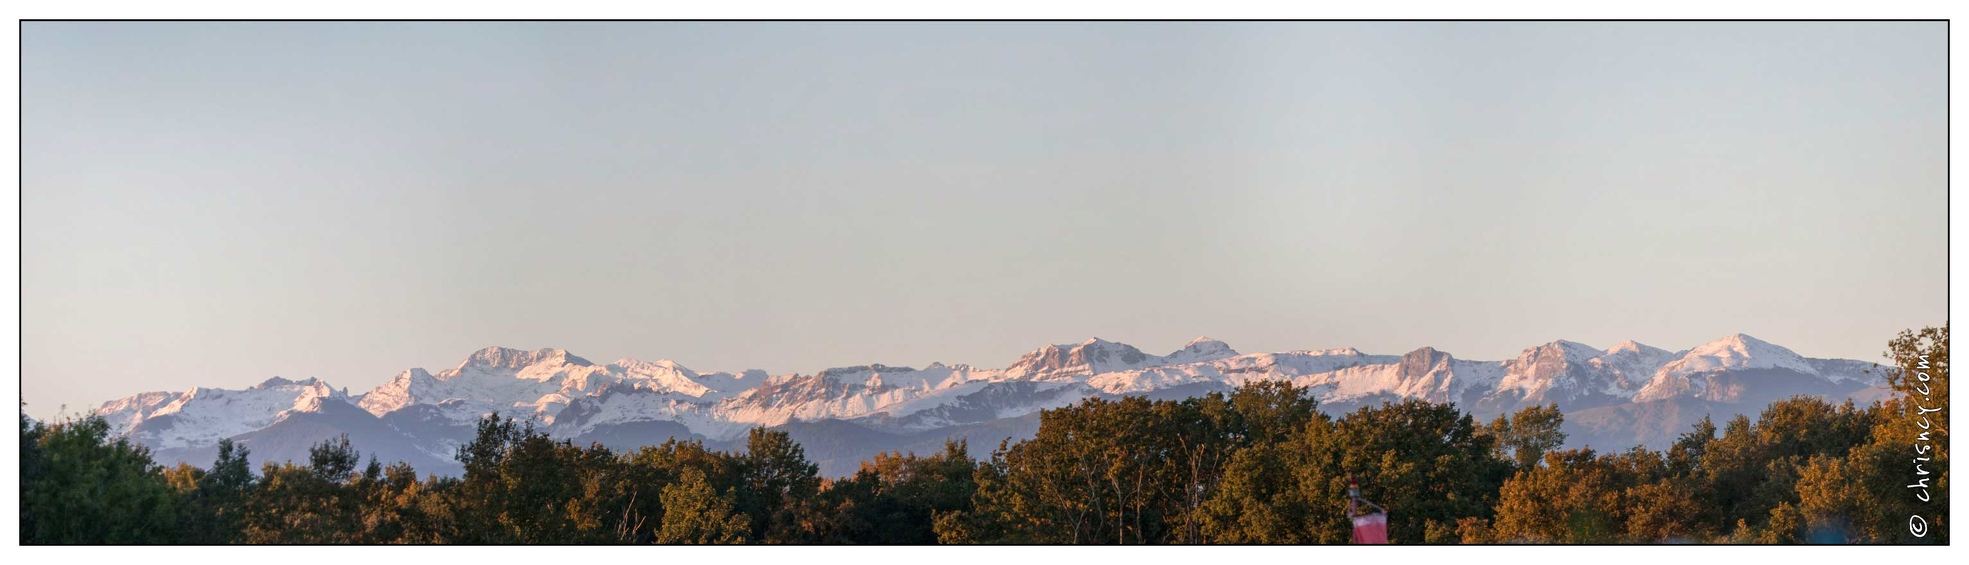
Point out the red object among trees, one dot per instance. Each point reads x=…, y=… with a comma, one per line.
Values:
x=1369, y=527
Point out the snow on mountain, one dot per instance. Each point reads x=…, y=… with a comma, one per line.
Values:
x=397, y=394
x=1575, y=375
x=1153, y=378
x=1200, y=350
x=572, y=397
x=853, y=392
x=1846, y=370
x=1540, y=369
x=1091, y=357
x=1098, y=356
x=535, y=384
x=545, y=384
x=628, y=404
x=1425, y=373
x=1263, y=366
x=1631, y=364
x=123, y=414
x=666, y=376
x=1736, y=352
x=979, y=401
x=205, y=415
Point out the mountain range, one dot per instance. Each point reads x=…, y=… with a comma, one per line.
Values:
x=1629, y=394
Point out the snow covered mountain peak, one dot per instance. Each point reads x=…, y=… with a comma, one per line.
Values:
x=1557, y=353
x=1098, y=356
x=1635, y=347
x=125, y=413
x=1423, y=360
x=1040, y=361
x=1739, y=340
x=1090, y=357
x=535, y=383
x=657, y=365
x=666, y=376
x=506, y=358
x=1737, y=351
x=1572, y=373
x=1201, y=349
x=311, y=394
x=206, y=415
x=1573, y=350
x=1425, y=373
x=277, y=381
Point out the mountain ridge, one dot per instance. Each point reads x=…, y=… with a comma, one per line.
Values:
x=574, y=398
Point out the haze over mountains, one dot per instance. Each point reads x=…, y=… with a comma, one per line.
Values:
x=1628, y=394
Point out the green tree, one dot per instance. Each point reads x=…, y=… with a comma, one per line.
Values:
x=34, y=467
x=1524, y=437
x=1424, y=461
x=653, y=467
x=1261, y=499
x=1783, y=527
x=312, y=503
x=520, y=486
x=895, y=498
x=212, y=501
x=1087, y=477
x=694, y=513
x=1128, y=471
x=1573, y=498
x=1661, y=511
x=780, y=487
x=1273, y=411
x=1685, y=455
x=80, y=487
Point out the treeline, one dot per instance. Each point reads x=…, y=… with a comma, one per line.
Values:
x=1258, y=465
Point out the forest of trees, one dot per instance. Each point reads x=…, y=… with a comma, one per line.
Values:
x=1258, y=465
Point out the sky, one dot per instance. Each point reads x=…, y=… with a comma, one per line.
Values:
x=212, y=204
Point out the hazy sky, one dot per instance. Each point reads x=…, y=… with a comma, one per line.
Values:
x=213, y=204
